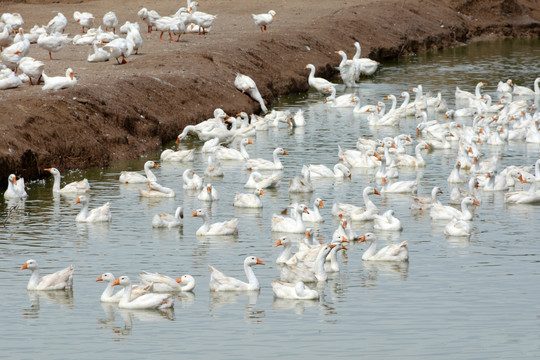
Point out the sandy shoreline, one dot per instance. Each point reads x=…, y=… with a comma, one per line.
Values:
x=123, y=111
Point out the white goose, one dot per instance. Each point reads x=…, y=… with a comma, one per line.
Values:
x=108, y=294
x=314, y=215
x=177, y=156
x=247, y=85
x=408, y=186
x=495, y=182
x=146, y=301
x=525, y=91
x=357, y=213
x=86, y=19
x=262, y=20
x=405, y=160
x=224, y=153
x=263, y=164
x=292, y=224
x=249, y=200
x=339, y=171
x=33, y=68
x=346, y=100
x=347, y=70
x=53, y=42
x=208, y=193
x=444, y=212
x=59, y=280
x=100, y=214
x=149, y=17
x=421, y=203
x=387, y=222
x=192, y=181
x=156, y=190
x=120, y=48
x=287, y=250
x=130, y=177
x=257, y=180
x=393, y=252
x=99, y=54
x=220, y=282
x=213, y=169
x=57, y=24
x=164, y=220
x=219, y=228
x=306, y=273
x=297, y=291
x=163, y=283
x=530, y=196
x=456, y=177
x=458, y=227
x=110, y=21
x=59, y=82
x=318, y=83
x=301, y=184
x=364, y=66
x=15, y=188
x=71, y=188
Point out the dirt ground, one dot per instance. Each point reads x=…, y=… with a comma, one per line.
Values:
x=122, y=111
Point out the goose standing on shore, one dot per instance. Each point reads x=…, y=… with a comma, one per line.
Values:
x=59, y=82
x=85, y=19
x=110, y=21
x=263, y=20
x=364, y=66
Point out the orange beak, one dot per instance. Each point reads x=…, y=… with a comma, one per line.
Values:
x=344, y=239
x=344, y=223
x=285, y=153
x=99, y=278
x=376, y=192
x=178, y=140
x=321, y=205
x=476, y=203
x=116, y=282
x=262, y=192
x=250, y=142
x=179, y=280
x=363, y=238
x=332, y=246
x=156, y=166
x=71, y=75
x=25, y=266
x=78, y=200
x=259, y=262
x=279, y=243
x=194, y=214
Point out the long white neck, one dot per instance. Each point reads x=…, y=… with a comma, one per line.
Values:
x=108, y=292
x=434, y=196
x=370, y=251
x=34, y=279
x=343, y=58
x=367, y=202
x=252, y=279
x=332, y=96
x=467, y=215
x=56, y=185
x=536, y=87
x=277, y=162
x=83, y=214
x=537, y=169
x=394, y=103
x=206, y=222
x=332, y=257
x=320, y=273
x=126, y=297
x=243, y=151
x=286, y=253
x=418, y=152
x=477, y=90
x=312, y=72
x=316, y=212
x=149, y=174
x=405, y=101
x=358, y=51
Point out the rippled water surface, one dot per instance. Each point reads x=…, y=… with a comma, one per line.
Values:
x=471, y=298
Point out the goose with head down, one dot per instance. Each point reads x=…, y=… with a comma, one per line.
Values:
x=156, y=190
x=192, y=181
x=163, y=283
x=387, y=222
x=164, y=220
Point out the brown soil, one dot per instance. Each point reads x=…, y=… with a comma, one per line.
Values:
x=123, y=111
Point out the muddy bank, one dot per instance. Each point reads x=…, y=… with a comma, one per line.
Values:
x=122, y=111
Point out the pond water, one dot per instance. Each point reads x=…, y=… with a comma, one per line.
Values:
x=472, y=298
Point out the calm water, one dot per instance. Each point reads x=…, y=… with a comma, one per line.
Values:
x=473, y=299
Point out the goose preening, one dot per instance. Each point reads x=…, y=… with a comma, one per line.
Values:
x=387, y=221
x=297, y=291
x=146, y=301
x=59, y=280
x=221, y=282
x=393, y=252
x=305, y=273
x=458, y=227
x=163, y=283
x=164, y=220
x=156, y=190
x=192, y=181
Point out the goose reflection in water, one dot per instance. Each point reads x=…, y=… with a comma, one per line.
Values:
x=64, y=298
x=386, y=268
x=221, y=298
x=299, y=306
